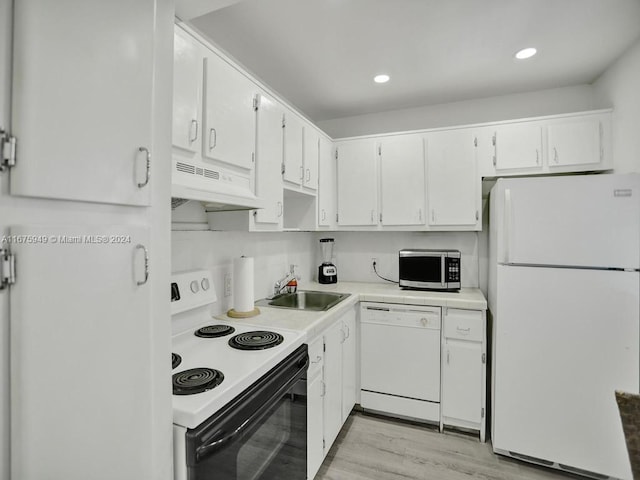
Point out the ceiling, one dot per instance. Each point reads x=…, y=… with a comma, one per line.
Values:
x=322, y=55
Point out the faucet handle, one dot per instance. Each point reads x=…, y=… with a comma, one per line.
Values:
x=292, y=268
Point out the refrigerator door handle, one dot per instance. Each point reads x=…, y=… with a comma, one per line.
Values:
x=507, y=224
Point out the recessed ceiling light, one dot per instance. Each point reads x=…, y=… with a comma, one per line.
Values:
x=381, y=78
x=526, y=53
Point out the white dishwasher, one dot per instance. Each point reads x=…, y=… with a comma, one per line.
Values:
x=400, y=360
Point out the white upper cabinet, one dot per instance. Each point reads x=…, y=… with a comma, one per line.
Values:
x=188, y=57
x=576, y=141
x=268, y=160
x=229, y=117
x=453, y=185
x=311, y=156
x=293, y=170
x=518, y=146
x=357, y=182
x=402, y=180
x=61, y=92
x=327, y=184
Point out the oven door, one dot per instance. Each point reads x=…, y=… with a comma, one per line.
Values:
x=261, y=434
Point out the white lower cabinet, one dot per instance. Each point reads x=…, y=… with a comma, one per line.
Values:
x=463, y=397
x=331, y=387
x=315, y=398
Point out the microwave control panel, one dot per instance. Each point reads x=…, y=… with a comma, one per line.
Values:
x=453, y=269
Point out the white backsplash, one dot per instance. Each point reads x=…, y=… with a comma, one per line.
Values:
x=353, y=252
x=274, y=252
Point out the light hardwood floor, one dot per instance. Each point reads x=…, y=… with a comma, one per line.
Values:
x=377, y=448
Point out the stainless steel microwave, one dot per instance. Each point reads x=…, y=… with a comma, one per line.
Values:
x=429, y=269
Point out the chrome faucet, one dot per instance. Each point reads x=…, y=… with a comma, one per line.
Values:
x=282, y=283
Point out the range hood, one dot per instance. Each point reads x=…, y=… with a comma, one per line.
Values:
x=217, y=188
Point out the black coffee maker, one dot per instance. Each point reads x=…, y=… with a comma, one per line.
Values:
x=327, y=272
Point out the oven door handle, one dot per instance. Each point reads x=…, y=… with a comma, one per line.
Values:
x=209, y=448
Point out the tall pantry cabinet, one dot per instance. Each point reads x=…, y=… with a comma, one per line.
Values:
x=84, y=222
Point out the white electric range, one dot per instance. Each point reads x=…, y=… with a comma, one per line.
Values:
x=234, y=380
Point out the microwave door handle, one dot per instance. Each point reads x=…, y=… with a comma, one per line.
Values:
x=443, y=260
x=210, y=448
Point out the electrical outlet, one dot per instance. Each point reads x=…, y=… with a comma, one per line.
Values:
x=374, y=260
x=227, y=284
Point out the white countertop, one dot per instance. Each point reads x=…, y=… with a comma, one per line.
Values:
x=313, y=323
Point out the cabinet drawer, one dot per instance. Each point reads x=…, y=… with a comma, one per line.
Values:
x=316, y=357
x=463, y=324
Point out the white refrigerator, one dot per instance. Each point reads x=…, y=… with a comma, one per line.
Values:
x=564, y=288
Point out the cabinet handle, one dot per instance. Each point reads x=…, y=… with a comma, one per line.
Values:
x=324, y=388
x=372, y=216
x=537, y=157
x=317, y=360
x=344, y=336
x=324, y=214
x=146, y=264
x=281, y=209
x=301, y=173
x=214, y=134
x=348, y=330
x=555, y=155
x=433, y=215
x=463, y=330
x=148, y=167
x=495, y=150
x=447, y=357
x=308, y=175
x=420, y=215
x=194, y=123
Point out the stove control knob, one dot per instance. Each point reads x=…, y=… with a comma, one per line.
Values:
x=205, y=284
x=194, y=286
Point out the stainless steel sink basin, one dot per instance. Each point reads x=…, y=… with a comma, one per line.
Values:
x=305, y=300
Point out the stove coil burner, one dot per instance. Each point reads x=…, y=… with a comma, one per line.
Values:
x=196, y=380
x=257, y=340
x=175, y=360
x=214, y=331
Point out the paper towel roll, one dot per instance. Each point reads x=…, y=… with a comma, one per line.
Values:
x=243, y=284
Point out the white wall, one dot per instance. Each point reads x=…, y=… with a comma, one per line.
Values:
x=506, y=107
x=353, y=252
x=272, y=253
x=619, y=87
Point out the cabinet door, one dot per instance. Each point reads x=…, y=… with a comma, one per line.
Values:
x=84, y=132
x=93, y=344
x=311, y=153
x=229, y=118
x=462, y=380
x=348, y=363
x=326, y=185
x=188, y=58
x=268, y=160
x=575, y=142
x=518, y=146
x=293, y=149
x=357, y=183
x=453, y=186
x=315, y=450
x=402, y=184
x=333, y=383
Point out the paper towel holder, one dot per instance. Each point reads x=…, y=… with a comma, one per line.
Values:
x=234, y=314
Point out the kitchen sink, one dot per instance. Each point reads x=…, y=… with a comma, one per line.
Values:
x=304, y=300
